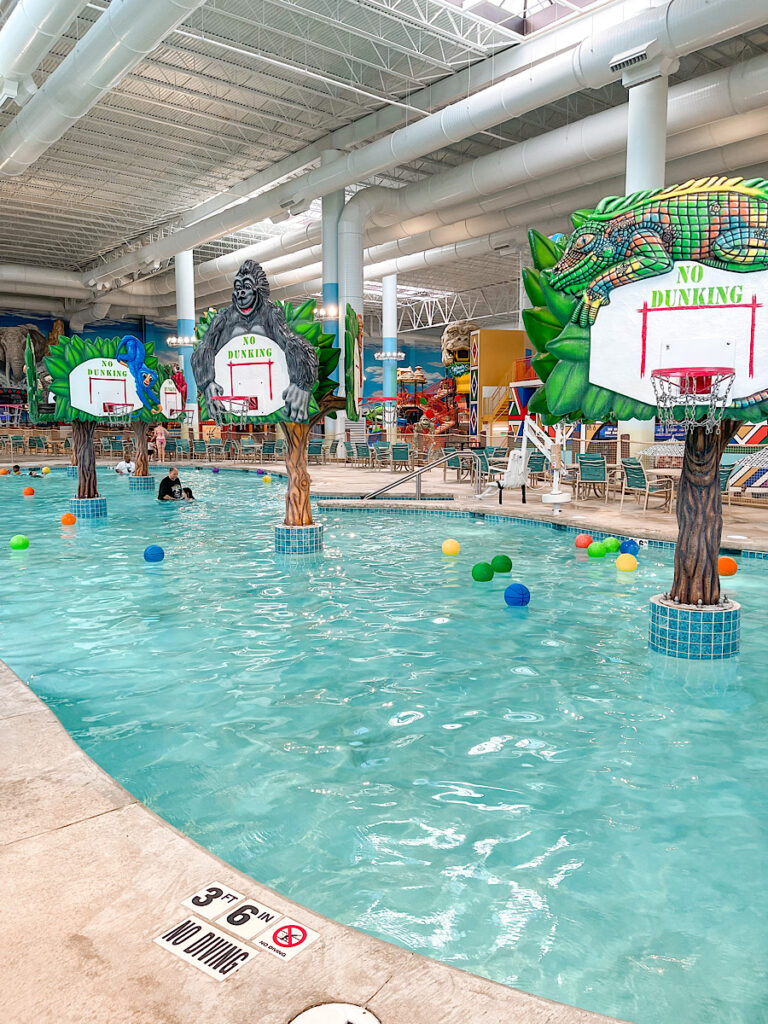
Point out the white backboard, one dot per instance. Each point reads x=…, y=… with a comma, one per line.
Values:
x=97, y=383
x=251, y=366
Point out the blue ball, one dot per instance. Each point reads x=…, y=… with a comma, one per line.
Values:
x=154, y=553
x=629, y=547
x=517, y=594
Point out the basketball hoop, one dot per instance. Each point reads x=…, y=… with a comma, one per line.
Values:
x=119, y=415
x=691, y=391
x=233, y=408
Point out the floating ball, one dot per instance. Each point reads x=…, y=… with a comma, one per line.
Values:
x=3, y=472
x=267, y=478
x=516, y=595
x=68, y=519
x=28, y=491
x=612, y=544
x=629, y=547
x=214, y=469
x=501, y=563
x=626, y=562
x=482, y=572
x=45, y=470
x=596, y=549
x=451, y=547
x=583, y=540
x=259, y=472
x=154, y=553
x=19, y=542
x=727, y=566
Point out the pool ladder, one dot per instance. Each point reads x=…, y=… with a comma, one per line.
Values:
x=417, y=474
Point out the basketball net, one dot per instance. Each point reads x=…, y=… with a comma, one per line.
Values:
x=229, y=409
x=118, y=415
x=694, y=396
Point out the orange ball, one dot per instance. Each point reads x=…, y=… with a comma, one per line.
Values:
x=29, y=491
x=583, y=540
x=68, y=519
x=726, y=566
x=3, y=472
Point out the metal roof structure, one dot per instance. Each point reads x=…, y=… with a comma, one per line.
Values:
x=241, y=84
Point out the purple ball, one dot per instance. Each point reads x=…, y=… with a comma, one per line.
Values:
x=214, y=469
x=259, y=472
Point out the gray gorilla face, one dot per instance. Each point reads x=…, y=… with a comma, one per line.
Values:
x=244, y=293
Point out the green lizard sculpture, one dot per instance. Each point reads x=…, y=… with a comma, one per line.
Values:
x=720, y=222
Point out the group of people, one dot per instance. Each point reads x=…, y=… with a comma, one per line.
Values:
x=171, y=489
x=156, y=442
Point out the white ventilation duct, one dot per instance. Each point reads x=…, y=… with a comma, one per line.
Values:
x=122, y=37
x=679, y=26
x=740, y=88
x=32, y=27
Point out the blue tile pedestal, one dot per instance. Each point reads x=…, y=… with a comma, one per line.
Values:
x=141, y=483
x=299, y=540
x=72, y=471
x=696, y=634
x=88, y=508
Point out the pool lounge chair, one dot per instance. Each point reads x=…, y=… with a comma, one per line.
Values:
x=635, y=482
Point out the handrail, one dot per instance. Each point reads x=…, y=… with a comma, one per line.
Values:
x=417, y=474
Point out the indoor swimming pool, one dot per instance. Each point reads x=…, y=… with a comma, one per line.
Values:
x=525, y=793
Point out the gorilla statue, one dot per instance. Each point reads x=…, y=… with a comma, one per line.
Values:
x=252, y=312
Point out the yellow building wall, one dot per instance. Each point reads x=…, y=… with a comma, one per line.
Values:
x=498, y=352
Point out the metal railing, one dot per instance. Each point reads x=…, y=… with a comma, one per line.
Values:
x=417, y=474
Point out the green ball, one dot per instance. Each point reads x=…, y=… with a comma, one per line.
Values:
x=501, y=563
x=612, y=544
x=19, y=542
x=596, y=549
x=482, y=572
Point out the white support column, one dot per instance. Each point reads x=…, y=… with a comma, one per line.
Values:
x=332, y=206
x=389, y=345
x=646, y=158
x=184, y=268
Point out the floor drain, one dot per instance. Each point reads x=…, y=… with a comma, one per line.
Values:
x=336, y=1013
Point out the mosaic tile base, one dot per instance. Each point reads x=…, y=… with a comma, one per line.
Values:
x=88, y=508
x=299, y=540
x=72, y=471
x=696, y=634
x=141, y=483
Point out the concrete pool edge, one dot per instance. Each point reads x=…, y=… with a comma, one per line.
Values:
x=95, y=875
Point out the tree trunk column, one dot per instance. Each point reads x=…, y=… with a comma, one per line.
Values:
x=700, y=517
x=141, y=433
x=82, y=437
x=298, y=511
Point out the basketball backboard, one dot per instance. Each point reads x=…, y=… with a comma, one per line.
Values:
x=97, y=384
x=253, y=367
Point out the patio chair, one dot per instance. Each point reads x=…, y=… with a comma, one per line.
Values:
x=635, y=482
x=401, y=456
x=592, y=477
x=281, y=449
x=215, y=448
x=268, y=451
x=200, y=449
x=315, y=451
x=183, y=450
x=231, y=450
x=362, y=453
x=725, y=475
x=536, y=469
x=248, y=449
x=382, y=455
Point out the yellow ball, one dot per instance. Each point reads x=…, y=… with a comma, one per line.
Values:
x=267, y=479
x=46, y=469
x=451, y=547
x=626, y=563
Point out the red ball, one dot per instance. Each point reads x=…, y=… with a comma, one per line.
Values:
x=727, y=566
x=583, y=540
x=29, y=491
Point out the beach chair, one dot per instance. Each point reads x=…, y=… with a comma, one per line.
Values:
x=183, y=450
x=635, y=482
x=200, y=449
x=401, y=456
x=315, y=451
x=268, y=451
x=362, y=453
x=592, y=477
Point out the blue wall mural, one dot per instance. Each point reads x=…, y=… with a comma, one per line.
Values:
x=426, y=355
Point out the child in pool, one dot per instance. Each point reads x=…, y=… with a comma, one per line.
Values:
x=187, y=495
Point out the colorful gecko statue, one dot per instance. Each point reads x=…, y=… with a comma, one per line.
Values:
x=720, y=222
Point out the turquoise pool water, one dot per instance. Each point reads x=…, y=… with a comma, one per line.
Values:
x=528, y=794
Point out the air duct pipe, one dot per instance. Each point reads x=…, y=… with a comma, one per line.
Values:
x=581, y=151
x=122, y=37
x=32, y=28
x=678, y=26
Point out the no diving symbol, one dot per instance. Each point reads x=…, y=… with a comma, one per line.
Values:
x=291, y=935
x=336, y=1013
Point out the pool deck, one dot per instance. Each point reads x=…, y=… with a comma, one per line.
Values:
x=91, y=877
